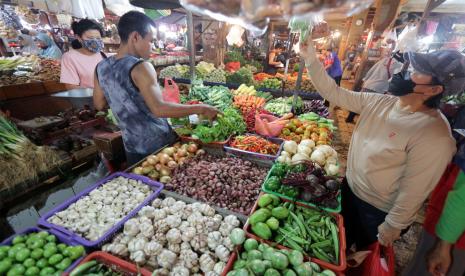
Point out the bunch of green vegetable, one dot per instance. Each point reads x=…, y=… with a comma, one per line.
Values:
x=11, y=139
x=261, y=259
x=241, y=76
x=203, y=69
x=38, y=253
x=271, y=83
x=265, y=95
x=198, y=91
x=257, y=64
x=227, y=124
x=307, y=230
x=219, y=97
x=322, y=122
x=217, y=75
x=175, y=71
x=281, y=106
x=94, y=268
x=234, y=56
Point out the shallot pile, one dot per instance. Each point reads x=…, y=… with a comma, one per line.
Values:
x=227, y=182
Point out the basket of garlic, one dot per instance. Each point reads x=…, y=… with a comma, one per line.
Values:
x=177, y=236
x=92, y=217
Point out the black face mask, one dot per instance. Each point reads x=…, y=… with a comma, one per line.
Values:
x=401, y=84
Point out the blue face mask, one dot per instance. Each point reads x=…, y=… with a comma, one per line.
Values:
x=93, y=45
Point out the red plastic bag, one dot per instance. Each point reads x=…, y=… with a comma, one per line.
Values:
x=381, y=261
x=268, y=125
x=232, y=66
x=171, y=92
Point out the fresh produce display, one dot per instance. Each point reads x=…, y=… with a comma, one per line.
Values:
x=254, y=143
x=322, y=122
x=246, y=103
x=234, y=56
x=242, y=76
x=29, y=69
x=175, y=71
x=258, y=258
x=323, y=155
x=217, y=75
x=94, y=268
x=244, y=90
x=12, y=63
x=271, y=83
x=227, y=124
x=227, y=182
x=199, y=91
x=306, y=182
x=20, y=159
x=94, y=214
x=307, y=128
x=249, y=118
x=203, y=69
x=306, y=84
x=313, y=232
x=174, y=238
x=37, y=253
x=316, y=106
x=281, y=106
x=219, y=97
x=262, y=76
x=159, y=166
x=265, y=95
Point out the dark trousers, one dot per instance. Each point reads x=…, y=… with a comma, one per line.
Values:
x=338, y=80
x=361, y=220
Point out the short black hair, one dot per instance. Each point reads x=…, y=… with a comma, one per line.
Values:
x=134, y=21
x=279, y=45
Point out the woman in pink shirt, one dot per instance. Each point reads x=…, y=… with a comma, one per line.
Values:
x=78, y=65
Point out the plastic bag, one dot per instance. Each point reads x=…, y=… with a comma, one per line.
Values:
x=381, y=261
x=268, y=125
x=171, y=92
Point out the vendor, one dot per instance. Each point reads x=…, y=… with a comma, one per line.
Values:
x=78, y=65
x=27, y=45
x=401, y=143
x=48, y=46
x=275, y=59
x=129, y=85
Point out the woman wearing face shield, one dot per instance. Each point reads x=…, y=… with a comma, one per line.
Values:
x=400, y=145
x=78, y=65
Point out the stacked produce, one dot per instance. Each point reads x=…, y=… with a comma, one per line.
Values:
x=242, y=76
x=20, y=159
x=175, y=71
x=307, y=128
x=37, y=253
x=217, y=75
x=244, y=90
x=304, y=181
x=247, y=103
x=226, y=124
x=219, y=97
x=316, y=106
x=265, y=95
x=301, y=228
x=249, y=118
x=271, y=83
x=175, y=238
x=93, y=215
x=262, y=259
x=49, y=70
x=198, y=91
x=203, y=69
x=12, y=63
x=282, y=106
x=322, y=122
x=227, y=182
x=159, y=166
x=28, y=69
x=254, y=143
x=262, y=76
x=305, y=85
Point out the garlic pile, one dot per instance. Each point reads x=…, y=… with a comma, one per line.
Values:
x=94, y=214
x=175, y=238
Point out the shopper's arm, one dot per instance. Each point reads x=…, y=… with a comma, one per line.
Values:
x=426, y=162
x=451, y=224
x=271, y=59
x=99, y=98
x=326, y=86
x=145, y=79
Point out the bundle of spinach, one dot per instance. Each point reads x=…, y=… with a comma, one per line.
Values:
x=241, y=76
x=226, y=124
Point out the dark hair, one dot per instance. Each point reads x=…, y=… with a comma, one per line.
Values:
x=434, y=101
x=134, y=21
x=279, y=45
x=80, y=27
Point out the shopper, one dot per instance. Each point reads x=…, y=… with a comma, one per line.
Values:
x=129, y=85
x=28, y=47
x=48, y=46
x=275, y=59
x=400, y=146
x=377, y=78
x=78, y=65
x=349, y=60
x=332, y=64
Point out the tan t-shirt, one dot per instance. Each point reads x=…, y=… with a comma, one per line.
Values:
x=395, y=157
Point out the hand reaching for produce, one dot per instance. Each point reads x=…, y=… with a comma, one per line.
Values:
x=387, y=234
x=209, y=111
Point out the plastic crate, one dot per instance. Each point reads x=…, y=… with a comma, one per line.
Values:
x=232, y=259
x=266, y=159
x=62, y=239
x=341, y=232
x=337, y=210
x=116, y=264
x=72, y=237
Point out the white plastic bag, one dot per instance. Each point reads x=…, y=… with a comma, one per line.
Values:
x=407, y=40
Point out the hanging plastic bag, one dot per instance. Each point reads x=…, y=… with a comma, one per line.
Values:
x=269, y=125
x=381, y=261
x=171, y=92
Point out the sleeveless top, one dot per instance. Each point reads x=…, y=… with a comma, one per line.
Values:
x=143, y=132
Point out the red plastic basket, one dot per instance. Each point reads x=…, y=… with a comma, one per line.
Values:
x=116, y=263
x=232, y=259
x=342, y=238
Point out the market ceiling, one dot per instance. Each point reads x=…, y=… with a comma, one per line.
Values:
x=449, y=6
